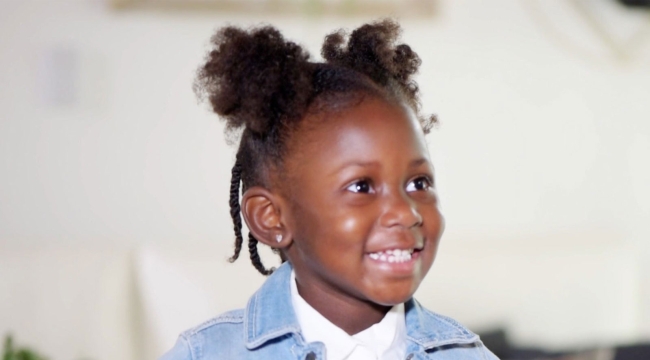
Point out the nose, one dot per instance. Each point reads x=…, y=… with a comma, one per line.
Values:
x=400, y=210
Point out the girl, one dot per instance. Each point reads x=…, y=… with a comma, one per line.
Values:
x=336, y=178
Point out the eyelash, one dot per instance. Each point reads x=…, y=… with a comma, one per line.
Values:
x=367, y=183
x=358, y=183
x=428, y=183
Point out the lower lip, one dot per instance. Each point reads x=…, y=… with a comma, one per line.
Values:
x=396, y=268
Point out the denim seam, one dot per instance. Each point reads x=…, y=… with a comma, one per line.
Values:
x=484, y=350
x=453, y=324
x=249, y=324
x=271, y=335
x=218, y=320
x=189, y=346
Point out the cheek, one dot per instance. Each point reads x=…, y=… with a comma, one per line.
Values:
x=337, y=231
x=433, y=228
x=434, y=222
x=352, y=226
x=349, y=224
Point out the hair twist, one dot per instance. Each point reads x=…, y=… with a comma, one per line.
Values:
x=264, y=85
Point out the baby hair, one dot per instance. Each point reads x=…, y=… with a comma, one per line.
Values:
x=263, y=85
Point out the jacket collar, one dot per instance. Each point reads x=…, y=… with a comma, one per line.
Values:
x=269, y=315
x=430, y=330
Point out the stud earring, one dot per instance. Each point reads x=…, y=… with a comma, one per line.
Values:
x=278, y=237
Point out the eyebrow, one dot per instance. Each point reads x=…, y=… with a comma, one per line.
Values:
x=418, y=162
x=412, y=164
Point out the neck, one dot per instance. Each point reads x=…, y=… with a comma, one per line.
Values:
x=351, y=315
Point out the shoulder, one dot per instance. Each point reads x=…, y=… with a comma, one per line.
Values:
x=225, y=326
x=448, y=327
x=212, y=337
x=428, y=327
x=214, y=324
x=441, y=334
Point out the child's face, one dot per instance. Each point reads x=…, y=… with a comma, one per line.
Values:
x=360, y=185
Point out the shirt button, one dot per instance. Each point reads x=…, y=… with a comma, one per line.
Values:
x=311, y=356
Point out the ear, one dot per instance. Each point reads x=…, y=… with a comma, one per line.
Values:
x=263, y=211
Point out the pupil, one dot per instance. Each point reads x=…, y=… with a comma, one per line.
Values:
x=363, y=187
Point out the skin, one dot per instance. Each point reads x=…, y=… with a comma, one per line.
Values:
x=354, y=183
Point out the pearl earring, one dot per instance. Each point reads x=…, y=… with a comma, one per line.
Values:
x=278, y=237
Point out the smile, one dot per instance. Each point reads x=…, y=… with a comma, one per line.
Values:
x=392, y=256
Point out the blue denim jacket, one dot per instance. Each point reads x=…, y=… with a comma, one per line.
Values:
x=268, y=329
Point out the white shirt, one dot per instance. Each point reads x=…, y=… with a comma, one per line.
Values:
x=385, y=340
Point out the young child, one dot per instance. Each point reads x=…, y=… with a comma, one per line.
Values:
x=336, y=177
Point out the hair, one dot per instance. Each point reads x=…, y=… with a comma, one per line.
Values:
x=263, y=86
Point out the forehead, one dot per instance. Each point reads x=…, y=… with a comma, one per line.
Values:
x=371, y=131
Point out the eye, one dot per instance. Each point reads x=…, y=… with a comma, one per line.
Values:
x=421, y=183
x=361, y=186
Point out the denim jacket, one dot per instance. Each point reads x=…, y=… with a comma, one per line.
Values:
x=268, y=329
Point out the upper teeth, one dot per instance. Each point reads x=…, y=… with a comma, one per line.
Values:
x=391, y=256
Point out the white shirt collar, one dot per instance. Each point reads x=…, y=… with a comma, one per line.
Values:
x=384, y=340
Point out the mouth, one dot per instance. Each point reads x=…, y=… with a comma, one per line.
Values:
x=395, y=255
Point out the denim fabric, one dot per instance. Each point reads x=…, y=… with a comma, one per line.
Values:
x=268, y=329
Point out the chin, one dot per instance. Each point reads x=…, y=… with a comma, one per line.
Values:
x=392, y=298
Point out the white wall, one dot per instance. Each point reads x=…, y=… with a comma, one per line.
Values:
x=545, y=133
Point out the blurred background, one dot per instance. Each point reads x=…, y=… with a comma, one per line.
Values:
x=114, y=224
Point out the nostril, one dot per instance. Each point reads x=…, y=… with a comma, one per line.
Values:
x=418, y=220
